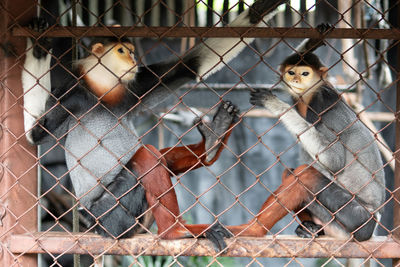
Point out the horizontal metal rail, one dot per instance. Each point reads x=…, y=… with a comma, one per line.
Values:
x=269, y=246
x=202, y=32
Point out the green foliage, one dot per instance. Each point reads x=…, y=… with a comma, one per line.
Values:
x=164, y=261
x=204, y=261
x=148, y=261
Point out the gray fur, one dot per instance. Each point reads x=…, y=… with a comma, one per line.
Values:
x=94, y=163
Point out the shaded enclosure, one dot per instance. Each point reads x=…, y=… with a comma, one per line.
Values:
x=38, y=208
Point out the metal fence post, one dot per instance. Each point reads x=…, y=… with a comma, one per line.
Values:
x=396, y=189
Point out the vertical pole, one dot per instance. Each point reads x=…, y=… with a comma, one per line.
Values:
x=344, y=7
x=396, y=189
x=75, y=213
x=18, y=183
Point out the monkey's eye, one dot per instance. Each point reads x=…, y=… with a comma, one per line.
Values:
x=120, y=50
x=306, y=73
x=290, y=72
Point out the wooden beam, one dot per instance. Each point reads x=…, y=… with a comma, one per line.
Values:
x=202, y=32
x=269, y=246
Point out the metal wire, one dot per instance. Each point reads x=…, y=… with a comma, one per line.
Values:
x=61, y=237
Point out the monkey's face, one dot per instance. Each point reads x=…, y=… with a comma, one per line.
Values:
x=120, y=60
x=300, y=79
x=113, y=62
x=107, y=69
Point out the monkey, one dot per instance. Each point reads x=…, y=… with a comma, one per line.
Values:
x=115, y=178
x=340, y=188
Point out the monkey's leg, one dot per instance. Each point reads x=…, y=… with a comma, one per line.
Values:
x=324, y=199
x=215, y=136
x=120, y=210
x=349, y=213
x=307, y=227
x=160, y=195
x=295, y=190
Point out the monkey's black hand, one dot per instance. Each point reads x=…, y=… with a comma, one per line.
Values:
x=42, y=45
x=260, y=96
x=307, y=228
x=313, y=43
x=214, y=132
x=324, y=28
x=216, y=235
x=38, y=132
x=262, y=7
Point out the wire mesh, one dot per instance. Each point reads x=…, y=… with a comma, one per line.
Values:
x=159, y=162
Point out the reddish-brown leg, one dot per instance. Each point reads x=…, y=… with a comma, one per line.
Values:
x=183, y=158
x=150, y=166
x=304, y=215
x=294, y=190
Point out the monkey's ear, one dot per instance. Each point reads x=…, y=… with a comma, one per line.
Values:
x=324, y=72
x=281, y=69
x=98, y=49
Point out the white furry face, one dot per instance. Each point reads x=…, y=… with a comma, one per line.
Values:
x=110, y=64
x=301, y=80
x=119, y=59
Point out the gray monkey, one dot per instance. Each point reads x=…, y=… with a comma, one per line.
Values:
x=341, y=187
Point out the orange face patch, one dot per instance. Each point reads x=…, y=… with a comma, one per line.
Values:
x=300, y=78
x=109, y=96
x=108, y=70
x=125, y=52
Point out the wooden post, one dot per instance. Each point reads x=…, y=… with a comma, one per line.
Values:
x=18, y=183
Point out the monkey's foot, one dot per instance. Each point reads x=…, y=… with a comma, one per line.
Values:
x=216, y=235
x=308, y=229
x=42, y=45
x=215, y=131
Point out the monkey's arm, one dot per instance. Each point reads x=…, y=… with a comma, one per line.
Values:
x=326, y=148
x=67, y=101
x=44, y=105
x=311, y=44
x=36, y=76
x=155, y=82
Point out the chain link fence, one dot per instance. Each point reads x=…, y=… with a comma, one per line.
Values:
x=42, y=213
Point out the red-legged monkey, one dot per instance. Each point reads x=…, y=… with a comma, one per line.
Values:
x=341, y=187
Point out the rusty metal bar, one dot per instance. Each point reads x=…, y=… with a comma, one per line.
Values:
x=18, y=183
x=396, y=189
x=162, y=32
x=269, y=246
x=75, y=213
